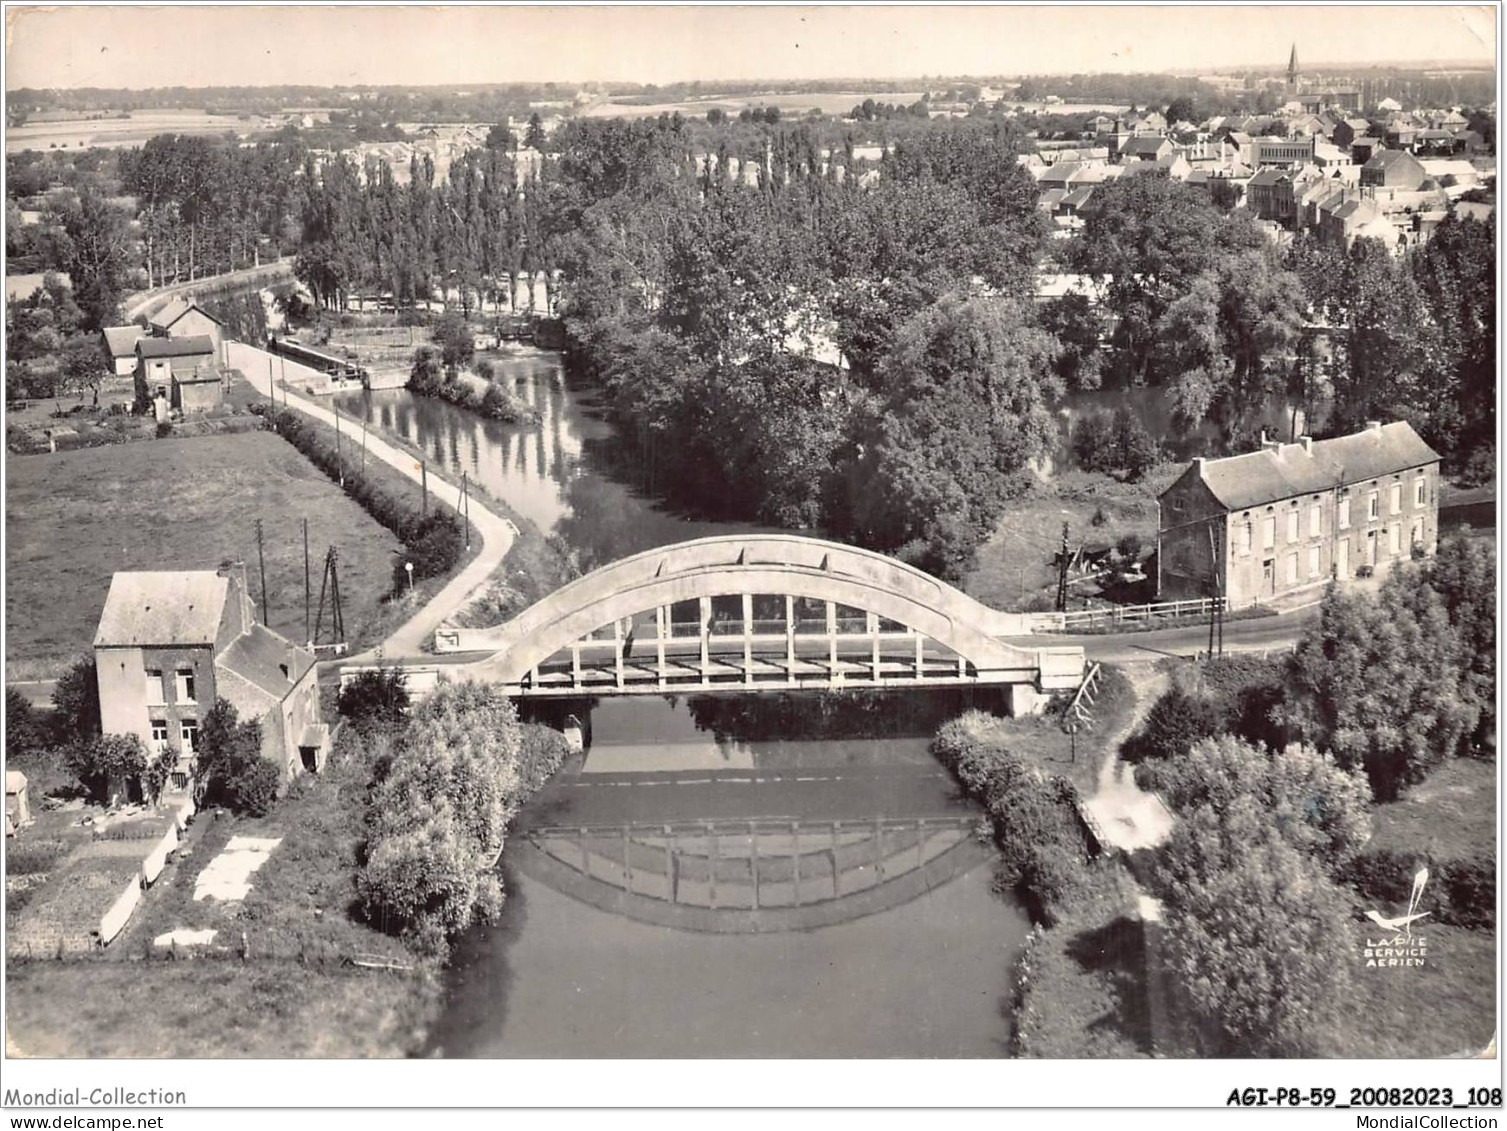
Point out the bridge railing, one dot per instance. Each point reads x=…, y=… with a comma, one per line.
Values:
x=1113, y=615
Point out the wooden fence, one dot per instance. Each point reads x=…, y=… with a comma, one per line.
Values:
x=1114, y=615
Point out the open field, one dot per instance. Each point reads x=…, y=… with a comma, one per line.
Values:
x=1450, y=816
x=81, y=133
x=828, y=102
x=1015, y=569
x=76, y=517
x=206, y=1008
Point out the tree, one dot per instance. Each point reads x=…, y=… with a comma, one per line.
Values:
x=535, y=137
x=230, y=764
x=108, y=764
x=501, y=138
x=1377, y=683
x=85, y=365
x=1181, y=109
x=716, y=116
x=375, y=696
x=24, y=732
x=965, y=392
x=94, y=249
x=1230, y=887
x=75, y=702
x=453, y=335
x=439, y=815
x=1463, y=575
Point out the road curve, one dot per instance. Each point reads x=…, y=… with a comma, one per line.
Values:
x=137, y=304
x=496, y=532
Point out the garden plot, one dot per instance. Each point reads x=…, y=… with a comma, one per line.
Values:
x=228, y=876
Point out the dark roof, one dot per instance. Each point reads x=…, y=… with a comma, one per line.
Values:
x=258, y=657
x=1138, y=145
x=1256, y=478
x=149, y=607
x=121, y=340
x=192, y=346
x=1387, y=158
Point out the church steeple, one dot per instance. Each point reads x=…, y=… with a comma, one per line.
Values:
x=1292, y=67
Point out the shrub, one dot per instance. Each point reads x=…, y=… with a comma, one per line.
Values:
x=232, y=769
x=1460, y=893
x=1044, y=853
x=1093, y=441
x=379, y=696
x=1173, y=724
x=24, y=732
x=107, y=764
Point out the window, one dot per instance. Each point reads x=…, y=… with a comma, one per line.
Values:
x=1245, y=537
x=1345, y=512
x=1292, y=568
x=1373, y=506
x=1293, y=523
x=186, y=685
x=1420, y=491
x=1269, y=532
x=1315, y=520
x=155, y=694
x=159, y=735
x=1313, y=561
x=188, y=731
x=1396, y=498
x=1394, y=539
x=1417, y=536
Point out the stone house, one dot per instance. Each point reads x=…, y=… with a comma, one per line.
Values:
x=184, y=318
x=120, y=343
x=183, y=370
x=170, y=643
x=1286, y=519
x=1393, y=168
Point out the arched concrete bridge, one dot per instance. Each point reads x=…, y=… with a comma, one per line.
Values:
x=761, y=612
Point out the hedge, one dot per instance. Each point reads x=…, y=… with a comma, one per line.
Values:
x=434, y=542
x=1459, y=893
x=1044, y=850
x=495, y=403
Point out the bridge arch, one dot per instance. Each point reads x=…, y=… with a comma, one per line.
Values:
x=729, y=565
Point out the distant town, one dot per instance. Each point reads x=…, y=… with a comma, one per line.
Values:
x=1030, y=537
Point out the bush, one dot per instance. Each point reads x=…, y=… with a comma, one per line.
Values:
x=231, y=767
x=107, y=765
x=75, y=701
x=1173, y=724
x=1044, y=852
x=24, y=732
x=379, y=696
x=1093, y=441
x=1460, y=893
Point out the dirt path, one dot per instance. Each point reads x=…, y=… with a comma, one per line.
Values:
x=1130, y=817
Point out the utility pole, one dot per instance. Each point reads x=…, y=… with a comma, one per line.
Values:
x=307, y=594
x=465, y=502
x=1062, y=573
x=423, y=488
x=271, y=383
x=261, y=561
x=339, y=455
x=363, y=445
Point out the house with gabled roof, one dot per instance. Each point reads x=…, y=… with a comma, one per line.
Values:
x=1288, y=518
x=179, y=372
x=120, y=342
x=171, y=642
x=185, y=318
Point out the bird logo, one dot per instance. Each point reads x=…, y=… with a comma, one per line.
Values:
x=1405, y=922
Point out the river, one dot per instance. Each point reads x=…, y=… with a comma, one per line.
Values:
x=908, y=961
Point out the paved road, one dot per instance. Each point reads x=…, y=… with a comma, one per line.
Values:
x=138, y=303
x=496, y=532
x=1257, y=635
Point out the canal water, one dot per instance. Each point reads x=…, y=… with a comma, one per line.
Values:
x=558, y=976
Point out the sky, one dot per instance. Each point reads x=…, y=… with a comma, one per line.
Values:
x=231, y=45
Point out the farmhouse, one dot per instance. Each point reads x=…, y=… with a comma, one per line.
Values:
x=187, y=319
x=182, y=369
x=1289, y=517
x=170, y=643
x=121, y=341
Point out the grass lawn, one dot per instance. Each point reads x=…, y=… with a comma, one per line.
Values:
x=1450, y=815
x=208, y=1008
x=1084, y=989
x=1041, y=738
x=299, y=907
x=74, y=518
x=1014, y=569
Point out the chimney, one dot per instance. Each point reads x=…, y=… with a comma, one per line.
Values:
x=1307, y=442
x=1198, y=465
x=1373, y=426
x=1270, y=445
